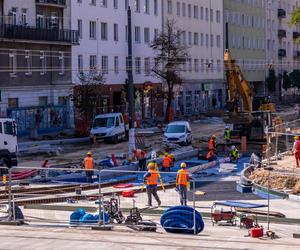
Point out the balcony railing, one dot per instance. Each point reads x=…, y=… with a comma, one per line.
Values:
x=59, y=3
x=281, y=33
x=9, y=31
x=281, y=13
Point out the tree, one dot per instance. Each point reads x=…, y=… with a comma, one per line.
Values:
x=271, y=80
x=295, y=78
x=170, y=55
x=286, y=83
x=295, y=19
x=87, y=94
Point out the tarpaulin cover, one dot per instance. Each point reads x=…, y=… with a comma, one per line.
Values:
x=239, y=204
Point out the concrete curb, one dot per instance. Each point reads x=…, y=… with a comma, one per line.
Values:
x=54, y=142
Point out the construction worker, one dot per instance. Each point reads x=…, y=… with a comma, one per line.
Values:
x=166, y=163
x=212, y=145
x=227, y=134
x=296, y=150
x=234, y=154
x=151, y=179
x=88, y=164
x=182, y=183
x=140, y=156
x=172, y=156
x=211, y=156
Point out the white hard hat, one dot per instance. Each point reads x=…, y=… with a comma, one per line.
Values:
x=153, y=155
x=233, y=147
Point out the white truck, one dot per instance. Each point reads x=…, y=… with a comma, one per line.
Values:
x=8, y=143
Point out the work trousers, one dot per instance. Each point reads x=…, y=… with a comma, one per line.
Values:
x=297, y=157
x=142, y=164
x=183, y=194
x=89, y=175
x=152, y=190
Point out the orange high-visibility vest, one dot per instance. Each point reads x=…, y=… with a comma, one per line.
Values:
x=167, y=162
x=210, y=154
x=139, y=154
x=297, y=147
x=153, y=178
x=88, y=162
x=211, y=144
x=182, y=177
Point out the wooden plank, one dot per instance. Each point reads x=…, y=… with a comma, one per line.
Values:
x=260, y=212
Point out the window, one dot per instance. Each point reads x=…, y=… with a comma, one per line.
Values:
x=190, y=38
x=13, y=102
x=211, y=15
x=202, y=39
x=196, y=65
x=201, y=13
x=61, y=63
x=79, y=26
x=104, y=64
x=189, y=11
x=43, y=100
x=178, y=8
x=62, y=100
x=146, y=7
x=218, y=41
x=13, y=16
x=206, y=14
x=196, y=38
x=104, y=3
x=93, y=63
x=202, y=65
x=190, y=65
x=43, y=63
x=219, y=65
x=116, y=32
x=93, y=2
x=218, y=17
x=196, y=12
x=146, y=35
x=116, y=64
x=206, y=40
x=104, y=31
x=183, y=37
x=137, y=34
x=126, y=5
x=155, y=33
x=183, y=9
x=155, y=8
x=147, y=66
x=138, y=65
x=116, y=4
x=170, y=7
x=12, y=63
x=211, y=40
x=92, y=30
x=80, y=64
x=137, y=5
x=24, y=17
x=28, y=62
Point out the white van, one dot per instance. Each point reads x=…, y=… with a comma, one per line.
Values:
x=178, y=132
x=108, y=127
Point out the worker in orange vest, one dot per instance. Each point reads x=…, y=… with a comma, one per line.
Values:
x=296, y=150
x=151, y=179
x=166, y=163
x=211, y=156
x=88, y=164
x=212, y=144
x=172, y=157
x=140, y=156
x=182, y=183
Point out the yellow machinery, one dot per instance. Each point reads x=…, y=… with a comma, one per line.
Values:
x=246, y=120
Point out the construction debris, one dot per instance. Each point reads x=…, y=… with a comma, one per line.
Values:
x=277, y=181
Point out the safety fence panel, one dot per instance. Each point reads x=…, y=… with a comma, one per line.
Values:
x=108, y=197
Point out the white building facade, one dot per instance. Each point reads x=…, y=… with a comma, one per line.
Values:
x=282, y=52
x=103, y=45
x=202, y=25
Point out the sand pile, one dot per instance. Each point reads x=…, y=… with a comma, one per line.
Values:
x=277, y=181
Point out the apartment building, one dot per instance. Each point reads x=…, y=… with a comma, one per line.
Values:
x=35, y=62
x=247, y=38
x=202, y=24
x=283, y=53
x=103, y=47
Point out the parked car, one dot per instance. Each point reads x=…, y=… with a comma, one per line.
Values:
x=178, y=132
x=108, y=127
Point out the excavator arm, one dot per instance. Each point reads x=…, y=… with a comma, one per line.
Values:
x=237, y=84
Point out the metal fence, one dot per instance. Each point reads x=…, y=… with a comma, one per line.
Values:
x=51, y=195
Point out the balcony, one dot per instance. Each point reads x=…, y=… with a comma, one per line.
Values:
x=18, y=32
x=281, y=53
x=281, y=33
x=52, y=3
x=297, y=54
x=296, y=35
x=281, y=13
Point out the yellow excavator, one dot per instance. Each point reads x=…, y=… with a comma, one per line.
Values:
x=248, y=114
